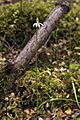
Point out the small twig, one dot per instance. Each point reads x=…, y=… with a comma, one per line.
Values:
x=47, y=41
x=5, y=43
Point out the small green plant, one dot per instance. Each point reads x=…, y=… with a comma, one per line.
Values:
x=74, y=66
x=37, y=25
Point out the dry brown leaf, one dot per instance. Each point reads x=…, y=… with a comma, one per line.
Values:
x=29, y=112
x=68, y=111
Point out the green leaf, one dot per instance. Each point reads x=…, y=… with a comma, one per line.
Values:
x=74, y=66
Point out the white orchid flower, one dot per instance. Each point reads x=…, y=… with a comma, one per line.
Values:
x=37, y=24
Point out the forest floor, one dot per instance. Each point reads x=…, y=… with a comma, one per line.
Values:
x=54, y=95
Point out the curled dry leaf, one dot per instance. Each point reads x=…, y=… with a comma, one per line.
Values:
x=68, y=111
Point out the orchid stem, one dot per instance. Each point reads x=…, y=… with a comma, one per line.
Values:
x=36, y=52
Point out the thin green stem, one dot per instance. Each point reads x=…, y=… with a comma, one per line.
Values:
x=74, y=89
x=70, y=46
x=36, y=52
x=56, y=49
x=37, y=61
x=56, y=99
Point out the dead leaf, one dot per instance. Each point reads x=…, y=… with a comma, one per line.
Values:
x=68, y=111
x=29, y=112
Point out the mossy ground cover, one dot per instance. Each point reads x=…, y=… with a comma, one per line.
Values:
x=56, y=93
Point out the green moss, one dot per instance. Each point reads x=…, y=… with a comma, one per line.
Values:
x=17, y=27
